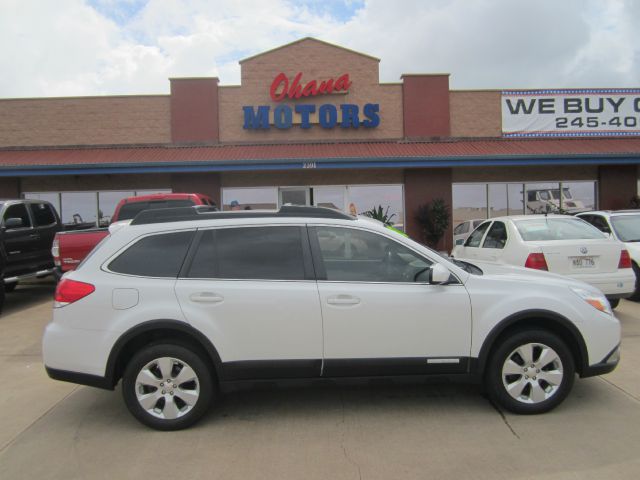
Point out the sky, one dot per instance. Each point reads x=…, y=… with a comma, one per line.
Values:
x=52, y=48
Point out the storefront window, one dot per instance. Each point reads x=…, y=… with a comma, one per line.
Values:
x=498, y=200
x=542, y=198
x=330, y=197
x=53, y=198
x=515, y=198
x=578, y=196
x=364, y=198
x=469, y=202
x=79, y=207
x=260, y=198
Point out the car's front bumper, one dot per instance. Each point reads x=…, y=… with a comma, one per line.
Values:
x=607, y=365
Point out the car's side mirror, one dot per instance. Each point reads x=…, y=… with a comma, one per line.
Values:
x=10, y=223
x=439, y=274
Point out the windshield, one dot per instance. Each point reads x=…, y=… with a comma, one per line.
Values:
x=544, y=195
x=555, y=194
x=549, y=228
x=627, y=227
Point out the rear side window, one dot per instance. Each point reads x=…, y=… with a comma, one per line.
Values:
x=130, y=210
x=42, y=214
x=476, y=236
x=497, y=236
x=258, y=253
x=154, y=256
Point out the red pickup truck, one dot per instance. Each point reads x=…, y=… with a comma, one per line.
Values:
x=70, y=248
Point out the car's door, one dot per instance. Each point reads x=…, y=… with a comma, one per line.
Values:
x=45, y=225
x=251, y=290
x=494, y=242
x=21, y=241
x=471, y=248
x=380, y=314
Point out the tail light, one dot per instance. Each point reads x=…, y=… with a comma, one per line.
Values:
x=55, y=252
x=69, y=291
x=536, y=261
x=625, y=260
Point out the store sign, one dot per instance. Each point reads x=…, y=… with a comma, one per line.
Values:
x=305, y=115
x=571, y=113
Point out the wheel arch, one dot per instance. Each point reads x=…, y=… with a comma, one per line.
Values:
x=153, y=331
x=541, y=319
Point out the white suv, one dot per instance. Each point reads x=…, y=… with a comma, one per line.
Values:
x=184, y=301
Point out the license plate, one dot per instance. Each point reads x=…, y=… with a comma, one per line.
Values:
x=583, y=262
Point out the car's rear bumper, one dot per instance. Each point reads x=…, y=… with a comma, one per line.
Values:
x=620, y=284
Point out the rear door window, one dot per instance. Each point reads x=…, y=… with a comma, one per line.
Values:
x=496, y=237
x=154, y=256
x=42, y=214
x=250, y=253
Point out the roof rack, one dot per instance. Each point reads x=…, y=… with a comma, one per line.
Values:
x=181, y=214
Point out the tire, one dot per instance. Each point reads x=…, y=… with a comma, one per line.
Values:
x=166, y=405
x=10, y=287
x=636, y=292
x=530, y=394
x=614, y=302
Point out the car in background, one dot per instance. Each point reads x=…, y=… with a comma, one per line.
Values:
x=71, y=247
x=462, y=231
x=557, y=243
x=27, y=230
x=624, y=226
x=548, y=200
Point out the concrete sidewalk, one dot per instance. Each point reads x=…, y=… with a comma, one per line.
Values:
x=55, y=430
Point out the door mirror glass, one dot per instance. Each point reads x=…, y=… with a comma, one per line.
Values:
x=439, y=274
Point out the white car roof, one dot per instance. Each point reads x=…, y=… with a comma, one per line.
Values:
x=610, y=213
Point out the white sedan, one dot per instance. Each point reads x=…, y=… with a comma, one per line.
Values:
x=558, y=243
x=623, y=225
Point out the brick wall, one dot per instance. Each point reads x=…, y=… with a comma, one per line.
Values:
x=84, y=121
x=475, y=113
x=317, y=61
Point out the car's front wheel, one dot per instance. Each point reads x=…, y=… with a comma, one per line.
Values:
x=167, y=387
x=529, y=372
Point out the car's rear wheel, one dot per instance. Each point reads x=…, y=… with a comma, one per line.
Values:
x=614, y=302
x=529, y=372
x=636, y=293
x=167, y=387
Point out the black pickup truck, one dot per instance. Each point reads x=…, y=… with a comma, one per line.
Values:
x=27, y=229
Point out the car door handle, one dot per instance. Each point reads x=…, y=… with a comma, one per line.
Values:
x=206, y=297
x=343, y=300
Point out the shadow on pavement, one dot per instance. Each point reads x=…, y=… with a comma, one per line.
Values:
x=27, y=294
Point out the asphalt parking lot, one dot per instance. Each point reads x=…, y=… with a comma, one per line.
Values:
x=56, y=430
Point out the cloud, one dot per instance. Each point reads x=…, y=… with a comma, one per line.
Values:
x=94, y=47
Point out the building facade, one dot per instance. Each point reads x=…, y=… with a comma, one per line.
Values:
x=311, y=123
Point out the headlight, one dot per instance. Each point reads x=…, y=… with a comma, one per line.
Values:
x=596, y=300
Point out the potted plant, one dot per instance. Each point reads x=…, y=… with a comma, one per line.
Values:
x=433, y=218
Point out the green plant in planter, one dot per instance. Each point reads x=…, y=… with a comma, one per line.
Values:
x=377, y=214
x=433, y=218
